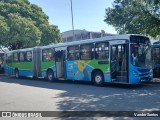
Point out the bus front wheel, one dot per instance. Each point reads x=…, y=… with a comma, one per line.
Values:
x=98, y=78
x=50, y=75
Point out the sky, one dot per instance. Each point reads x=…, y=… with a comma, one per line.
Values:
x=87, y=14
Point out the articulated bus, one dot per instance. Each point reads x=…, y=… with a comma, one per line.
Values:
x=156, y=60
x=122, y=59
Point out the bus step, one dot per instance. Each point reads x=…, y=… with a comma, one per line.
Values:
x=122, y=73
x=113, y=80
x=121, y=78
x=61, y=78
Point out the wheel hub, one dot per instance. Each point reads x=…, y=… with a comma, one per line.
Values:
x=98, y=79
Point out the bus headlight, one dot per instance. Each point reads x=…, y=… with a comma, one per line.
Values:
x=151, y=70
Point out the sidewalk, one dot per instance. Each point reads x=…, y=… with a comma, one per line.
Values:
x=156, y=80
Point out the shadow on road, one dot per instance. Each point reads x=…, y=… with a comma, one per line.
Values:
x=80, y=96
x=33, y=82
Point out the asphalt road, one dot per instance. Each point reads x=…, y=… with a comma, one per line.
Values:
x=40, y=95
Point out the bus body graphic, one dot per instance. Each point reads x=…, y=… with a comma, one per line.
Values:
x=124, y=59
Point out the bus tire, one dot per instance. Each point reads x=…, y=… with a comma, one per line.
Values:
x=98, y=78
x=16, y=73
x=50, y=76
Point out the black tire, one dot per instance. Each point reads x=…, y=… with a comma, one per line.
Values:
x=16, y=73
x=50, y=75
x=156, y=73
x=98, y=78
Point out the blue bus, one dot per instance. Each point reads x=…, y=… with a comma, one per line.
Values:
x=124, y=59
x=156, y=60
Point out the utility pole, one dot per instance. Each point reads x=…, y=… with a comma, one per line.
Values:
x=72, y=21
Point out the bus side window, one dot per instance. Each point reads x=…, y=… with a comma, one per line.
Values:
x=1, y=61
x=77, y=53
x=71, y=52
x=156, y=52
x=47, y=54
x=15, y=57
x=87, y=51
x=102, y=50
x=53, y=54
x=8, y=58
x=28, y=56
x=21, y=56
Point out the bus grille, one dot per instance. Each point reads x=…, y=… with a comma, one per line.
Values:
x=143, y=70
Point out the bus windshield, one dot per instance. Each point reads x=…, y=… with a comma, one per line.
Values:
x=140, y=48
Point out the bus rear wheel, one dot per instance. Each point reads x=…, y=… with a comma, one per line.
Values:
x=98, y=78
x=50, y=75
x=16, y=73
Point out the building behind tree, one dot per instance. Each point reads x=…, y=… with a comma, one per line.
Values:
x=77, y=35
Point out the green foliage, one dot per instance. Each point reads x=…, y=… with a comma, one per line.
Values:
x=23, y=32
x=25, y=25
x=49, y=32
x=4, y=29
x=135, y=16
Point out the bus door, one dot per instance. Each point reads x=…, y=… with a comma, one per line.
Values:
x=36, y=62
x=8, y=64
x=119, y=62
x=60, y=55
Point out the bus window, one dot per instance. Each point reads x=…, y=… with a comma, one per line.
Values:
x=29, y=56
x=15, y=57
x=102, y=50
x=22, y=57
x=87, y=52
x=156, y=52
x=140, y=48
x=53, y=54
x=156, y=55
x=73, y=53
x=8, y=58
x=77, y=52
x=47, y=54
x=1, y=61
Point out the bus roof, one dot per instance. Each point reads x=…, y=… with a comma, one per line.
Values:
x=156, y=45
x=106, y=38
x=25, y=49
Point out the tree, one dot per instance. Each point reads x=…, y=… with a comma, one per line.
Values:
x=4, y=29
x=135, y=16
x=25, y=25
x=23, y=32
